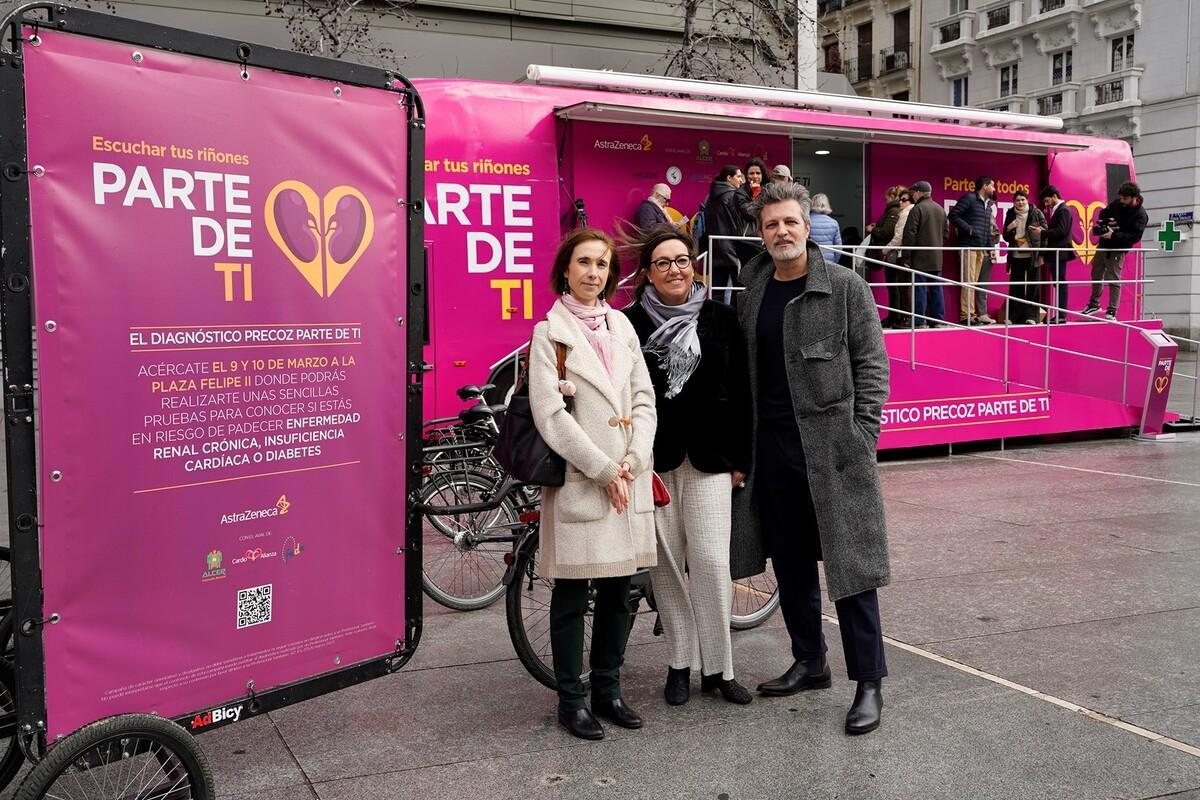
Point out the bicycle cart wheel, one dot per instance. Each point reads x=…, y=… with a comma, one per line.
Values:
x=10, y=752
x=130, y=757
x=754, y=600
x=462, y=565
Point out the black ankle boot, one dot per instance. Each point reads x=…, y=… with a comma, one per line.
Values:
x=617, y=712
x=731, y=690
x=580, y=722
x=678, y=687
x=812, y=673
x=865, y=712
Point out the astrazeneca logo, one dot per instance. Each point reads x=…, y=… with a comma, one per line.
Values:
x=278, y=510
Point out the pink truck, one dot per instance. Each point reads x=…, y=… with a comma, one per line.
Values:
x=510, y=167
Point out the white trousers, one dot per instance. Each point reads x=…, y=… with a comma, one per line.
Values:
x=693, y=533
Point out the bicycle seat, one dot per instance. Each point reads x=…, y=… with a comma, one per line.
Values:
x=480, y=412
x=469, y=391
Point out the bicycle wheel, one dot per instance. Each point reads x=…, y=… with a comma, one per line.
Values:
x=10, y=752
x=462, y=565
x=754, y=600
x=130, y=757
x=527, y=609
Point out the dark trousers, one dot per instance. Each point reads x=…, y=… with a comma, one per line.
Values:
x=1058, y=272
x=929, y=300
x=790, y=525
x=610, y=631
x=1022, y=272
x=899, y=297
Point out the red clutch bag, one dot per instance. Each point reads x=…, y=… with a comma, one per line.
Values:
x=662, y=497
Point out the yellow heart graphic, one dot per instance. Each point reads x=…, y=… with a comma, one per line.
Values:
x=1161, y=383
x=1086, y=216
x=322, y=237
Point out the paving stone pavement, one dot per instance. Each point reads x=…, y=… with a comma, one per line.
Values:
x=1071, y=569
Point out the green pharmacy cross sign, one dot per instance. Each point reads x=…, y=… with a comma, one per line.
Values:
x=1168, y=236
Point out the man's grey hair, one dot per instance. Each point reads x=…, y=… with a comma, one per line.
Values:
x=779, y=192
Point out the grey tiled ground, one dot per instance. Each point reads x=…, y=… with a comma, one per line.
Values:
x=1033, y=565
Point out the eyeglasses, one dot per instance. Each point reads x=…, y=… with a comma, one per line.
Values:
x=664, y=264
x=905, y=199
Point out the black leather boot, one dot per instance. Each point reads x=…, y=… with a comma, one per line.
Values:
x=580, y=722
x=678, y=687
x=812, y=673
x=864, y=714
x=617, y=712
x=731, y=690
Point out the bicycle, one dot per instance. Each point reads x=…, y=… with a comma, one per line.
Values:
x=464, y=542
x=527, y=608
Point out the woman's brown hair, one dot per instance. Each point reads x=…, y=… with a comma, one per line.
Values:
x=642, y=244
x=566, y=249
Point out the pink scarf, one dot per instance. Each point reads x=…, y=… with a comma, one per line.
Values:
x=592, y=320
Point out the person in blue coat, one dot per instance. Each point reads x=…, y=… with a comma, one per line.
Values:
x=825, y=229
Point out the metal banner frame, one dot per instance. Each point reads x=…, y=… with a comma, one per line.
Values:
x=16, y=307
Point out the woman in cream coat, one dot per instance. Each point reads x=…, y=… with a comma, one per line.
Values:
x=599, y=526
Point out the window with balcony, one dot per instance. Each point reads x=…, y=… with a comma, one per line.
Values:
x=833, y=58
x=998, y=17
x=1060, y=68
x=959, y=91
x=1050, y=105
x=1122, y=52
x=950, y=32
x=958, y=6
x=1008, y=80
x=1047, y=6
x=1110, y=92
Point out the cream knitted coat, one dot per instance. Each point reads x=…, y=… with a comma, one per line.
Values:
x=582, y=536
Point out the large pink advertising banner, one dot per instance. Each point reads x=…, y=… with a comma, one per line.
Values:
x=219, y=293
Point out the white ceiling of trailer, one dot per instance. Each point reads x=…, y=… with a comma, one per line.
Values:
x=606, y=112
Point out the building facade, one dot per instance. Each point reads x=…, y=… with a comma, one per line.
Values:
x=1108, y=68
x=876, y=44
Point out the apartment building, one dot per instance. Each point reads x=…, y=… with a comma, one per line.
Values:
x=875, y=44
x=1128, y=69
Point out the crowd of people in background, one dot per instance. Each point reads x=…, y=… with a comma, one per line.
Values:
x=906, y=244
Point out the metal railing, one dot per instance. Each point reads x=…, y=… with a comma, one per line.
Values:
x=1002, y=331
x=894, y=59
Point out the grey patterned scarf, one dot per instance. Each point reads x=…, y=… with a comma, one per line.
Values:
x=675, y=342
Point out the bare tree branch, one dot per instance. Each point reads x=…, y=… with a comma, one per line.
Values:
x=743, y=40
x=343, y=28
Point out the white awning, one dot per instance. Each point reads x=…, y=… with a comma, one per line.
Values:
x=970, y=136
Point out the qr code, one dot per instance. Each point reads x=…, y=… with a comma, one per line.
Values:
x=253, y=606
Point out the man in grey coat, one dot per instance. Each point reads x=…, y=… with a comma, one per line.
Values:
x=819, y=377
x=925, y=228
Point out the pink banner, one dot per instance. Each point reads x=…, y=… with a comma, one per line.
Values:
x=219, y=271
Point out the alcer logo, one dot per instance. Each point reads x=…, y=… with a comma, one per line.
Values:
x=226, y=714
x=323, y=237
x=213, y=562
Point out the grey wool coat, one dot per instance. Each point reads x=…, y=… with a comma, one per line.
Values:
x=613, y=421
x=838, y=373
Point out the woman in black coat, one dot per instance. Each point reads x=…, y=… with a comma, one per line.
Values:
x=696, y=355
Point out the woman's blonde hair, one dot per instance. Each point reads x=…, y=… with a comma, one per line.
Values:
x=820, y=204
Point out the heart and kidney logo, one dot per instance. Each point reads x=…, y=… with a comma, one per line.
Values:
x=1161, y=383
x=1086, y=217
x=323, y=237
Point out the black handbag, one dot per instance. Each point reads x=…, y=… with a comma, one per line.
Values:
x=520, y=448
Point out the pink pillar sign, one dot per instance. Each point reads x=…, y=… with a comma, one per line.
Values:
x=220, y=272
x=1158, y=388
